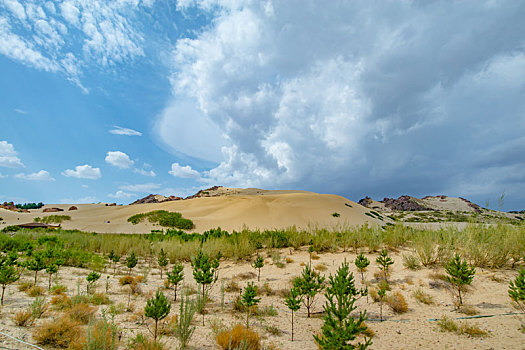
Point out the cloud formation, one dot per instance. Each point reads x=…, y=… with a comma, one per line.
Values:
x=119, y=159
x=70, y=34
x=185, y=172
x=121, y=195
x=124, y=131
x=8, y=156
x=83, y=172
x=42, y=175
x=82, y=200
x=397, y=96
x=148, y=187
x=145, y=172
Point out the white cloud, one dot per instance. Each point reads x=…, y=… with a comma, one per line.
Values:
x=20, y=111
x=121, y=194
x=83, y=172
x=2, y=176
x=76, y=35
x=124, y=131
x=42, y=175
x=82, y=200
x=183, y=171
x=148, y=187
x=8, y=156
x=145, y=172
x=119, y=159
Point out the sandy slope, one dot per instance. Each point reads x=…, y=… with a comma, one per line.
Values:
x=257, y=209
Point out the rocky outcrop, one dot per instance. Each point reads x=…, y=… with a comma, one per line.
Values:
x=72, y=208
x=474, y=206
x=156, y=198
x=403, y=203
x=52, y=210
x=204, y=193
x=366, y=202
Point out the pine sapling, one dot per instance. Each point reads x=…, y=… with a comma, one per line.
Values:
x=162, y=260
x=131, y=261
x=362, y=262
x=340, y=328
x=8, y=275
x=205, y=273
x=92, y=278
x=175, y=277
x=258, y=264
x=460, y=274
x=36, y=263
x=111, y=255
x=157, y=308
x=382, y=294
x=384, y=262
x=51, y=269
x=249, y=300
x=116, y=260
x=309, y=284
x=293, y=301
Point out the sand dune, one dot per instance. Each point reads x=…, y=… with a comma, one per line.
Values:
x=255, y=209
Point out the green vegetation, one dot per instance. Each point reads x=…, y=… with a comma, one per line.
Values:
x=517, y=294
x=184, y=330
x=157, y=308
x=339, y=327
x=175, y=277
x=309, y=284
x=293, y=301
x=249, y=300
x=92, y=278
x=384, y=262
x=258, y=264
x=205, y=273
x=29, y=205
x=162, y=261
x=8, y=275
x=163, y=218
x=52, y=219
x=460, y=274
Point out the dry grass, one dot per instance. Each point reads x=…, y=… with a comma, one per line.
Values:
x=168, y=325
x=468, y=310
x=125, y=280
x=266, y=290
x=23, y=318
x=422, y=297
x=61, y=302
x=58, y=289
x=397, y=303
x=82, y=313
x=239, y=337
x=25, y=285
x=58, y=333
x=315, y=257
x=232, y=287
x=289, y=260
x=244, y=276
x=141, y=342
x=321, y=267
x=446, y=324
x=35, y=291
x=100, y=299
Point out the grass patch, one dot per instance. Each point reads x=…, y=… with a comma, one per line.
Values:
x=422, y=297
x=163, y=218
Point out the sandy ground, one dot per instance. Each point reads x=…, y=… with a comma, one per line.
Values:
x=265, y=210
x=411, y=330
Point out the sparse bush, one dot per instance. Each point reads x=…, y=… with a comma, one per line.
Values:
x=38, y=307
x=58, y=289
x=184, y=330
x=258, y=264
x=102, y=335
x=24, y=286
x=446, y=324
x=410, y=261
x=142, y=342
x=384, y=262
x=517, y=294
x=175, y=277
x=82, y=313
x=232, y=287
x=125, y=280
x=35, y=291
x=100, y=299
x=23, y=318
x=239, y=337
x=423, y=297
x=58, y=333
x=61, y=302
x=321, y=267
x=397, y=303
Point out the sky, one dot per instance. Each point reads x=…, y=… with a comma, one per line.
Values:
x=108, y=101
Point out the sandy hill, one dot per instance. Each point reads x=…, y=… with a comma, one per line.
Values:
x=229, y=208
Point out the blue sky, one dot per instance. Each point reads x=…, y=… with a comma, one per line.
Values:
x=110, y=101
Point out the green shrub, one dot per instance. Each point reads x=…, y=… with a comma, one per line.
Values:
x=163, y=218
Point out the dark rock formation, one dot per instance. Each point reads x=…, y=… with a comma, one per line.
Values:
x=72, y=208
x=52, y=210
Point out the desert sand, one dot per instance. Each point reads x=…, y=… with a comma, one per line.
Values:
x=414, y=329
x=253, y=208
